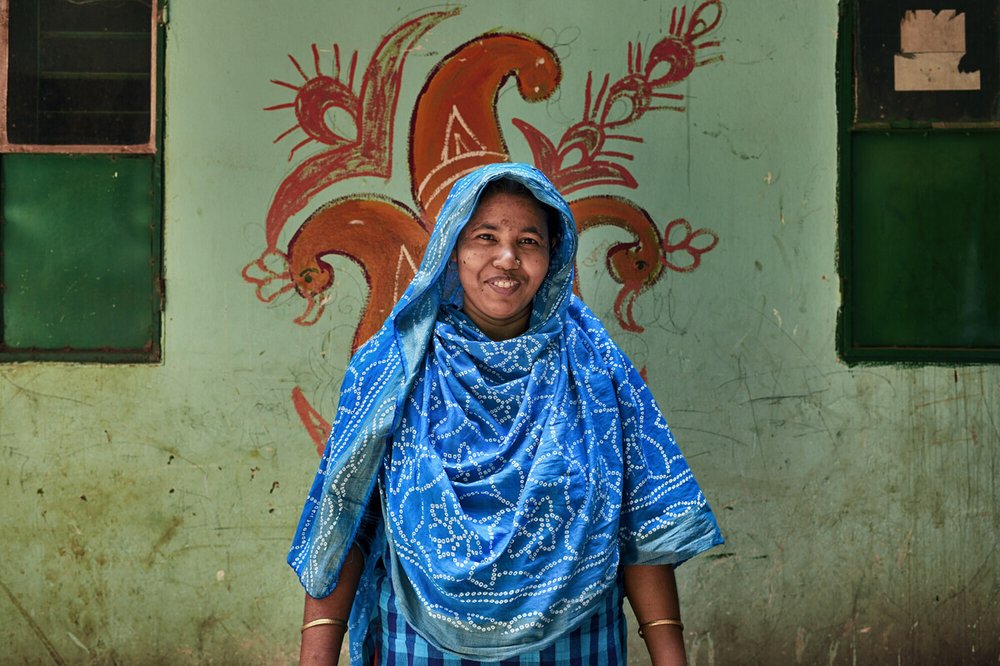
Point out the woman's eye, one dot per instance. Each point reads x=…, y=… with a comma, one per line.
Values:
x=529, y=241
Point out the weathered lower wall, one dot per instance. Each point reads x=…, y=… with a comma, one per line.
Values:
x=146, y=511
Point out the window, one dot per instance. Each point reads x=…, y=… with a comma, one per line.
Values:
x=920, y=159
x=80, y=180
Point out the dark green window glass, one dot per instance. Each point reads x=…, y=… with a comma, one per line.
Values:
x=926, y=241
x=77, y=267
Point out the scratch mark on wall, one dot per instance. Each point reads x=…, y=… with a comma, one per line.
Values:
x=834, y=648
x=775, y=399
x=78, y=642
x=11, y=452
x=801, y=640
x=165, y=538
x=721, y=435
x=696, y=644
x=37, y=394
x=955, y=398
x=904, y=550
x=43, y=639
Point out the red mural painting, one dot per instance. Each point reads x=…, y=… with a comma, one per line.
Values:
x=580, y=159
x=454, y=129
x=363, y=150
x=361, y=230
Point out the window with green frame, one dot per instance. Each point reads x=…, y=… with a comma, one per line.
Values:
x=919, y=213
x=80, y=181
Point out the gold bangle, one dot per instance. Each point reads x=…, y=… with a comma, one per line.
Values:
x=325, y=620
x=656, y=623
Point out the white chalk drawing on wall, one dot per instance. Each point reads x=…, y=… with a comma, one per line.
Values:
x=931, y=46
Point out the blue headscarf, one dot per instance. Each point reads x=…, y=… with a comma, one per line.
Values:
x=521, y=474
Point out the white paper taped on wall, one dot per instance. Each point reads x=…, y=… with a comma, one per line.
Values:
x=931, y=45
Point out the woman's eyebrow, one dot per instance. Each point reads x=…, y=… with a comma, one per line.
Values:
x=492, y=226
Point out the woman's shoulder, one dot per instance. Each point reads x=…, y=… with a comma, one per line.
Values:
x=580, y=314
x=590, y=327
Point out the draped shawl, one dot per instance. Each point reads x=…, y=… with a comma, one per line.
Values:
x=514, y=476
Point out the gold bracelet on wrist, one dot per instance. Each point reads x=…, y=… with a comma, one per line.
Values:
x=656, y=623
x=325, y=620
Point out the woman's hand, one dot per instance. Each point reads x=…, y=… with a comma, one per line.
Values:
x=652, y=592
x=321, y=644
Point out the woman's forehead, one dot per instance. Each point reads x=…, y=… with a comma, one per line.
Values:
x=501, y=209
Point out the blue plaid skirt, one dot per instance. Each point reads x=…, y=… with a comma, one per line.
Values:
x=598, y=641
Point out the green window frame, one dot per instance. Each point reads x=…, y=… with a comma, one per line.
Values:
x=919, y=209
x=81, y=181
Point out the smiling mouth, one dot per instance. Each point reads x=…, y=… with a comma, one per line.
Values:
x=504, y=285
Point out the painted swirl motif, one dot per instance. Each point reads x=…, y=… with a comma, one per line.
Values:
x=454, y=129
x=364, y=149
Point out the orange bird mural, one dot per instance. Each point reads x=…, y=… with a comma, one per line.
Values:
x=454, y=129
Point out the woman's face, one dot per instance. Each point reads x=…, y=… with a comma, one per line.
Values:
x=503, y=256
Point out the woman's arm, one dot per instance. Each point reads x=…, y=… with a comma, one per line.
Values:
x=652, y=592
x=321, y=644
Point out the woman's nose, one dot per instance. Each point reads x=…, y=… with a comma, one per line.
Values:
x=506, y=258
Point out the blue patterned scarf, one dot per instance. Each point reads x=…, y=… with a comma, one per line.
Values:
x=521, y=473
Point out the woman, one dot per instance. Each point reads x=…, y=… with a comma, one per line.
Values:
x=498, y=473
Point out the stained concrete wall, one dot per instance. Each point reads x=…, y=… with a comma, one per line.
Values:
x=146, y=510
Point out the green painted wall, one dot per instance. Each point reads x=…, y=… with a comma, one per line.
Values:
x=146, y=510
